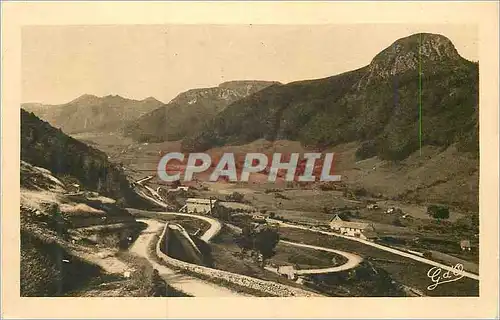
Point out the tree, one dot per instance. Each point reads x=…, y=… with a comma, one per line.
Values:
x=235, y=196
x=438, y=212
x=265, y=242
x=245, y=239
x=397, y=222
x=176, y=184
x=262, y=240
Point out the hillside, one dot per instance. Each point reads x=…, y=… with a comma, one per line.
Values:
x=187, y=112
x=378, y=105
x=91, y=113
x=45, y=146
x=73, y=224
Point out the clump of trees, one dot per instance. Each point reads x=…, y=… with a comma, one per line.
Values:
x=235, y=197
x=262, y=240
x=438, y=212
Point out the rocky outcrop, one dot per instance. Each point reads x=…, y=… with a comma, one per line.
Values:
x=408, y=54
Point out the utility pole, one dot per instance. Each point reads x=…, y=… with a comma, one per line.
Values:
x=210, y=208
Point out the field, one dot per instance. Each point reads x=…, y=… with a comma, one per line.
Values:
x=304, y=258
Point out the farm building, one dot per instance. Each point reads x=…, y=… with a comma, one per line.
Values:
x=198, y=205
x=465, y=245
x=288, y=271
x=354, y=229
x=336, y=218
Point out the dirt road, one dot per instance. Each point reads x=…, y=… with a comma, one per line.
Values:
x=381, y=247
x=353, y=260
x=187, y=284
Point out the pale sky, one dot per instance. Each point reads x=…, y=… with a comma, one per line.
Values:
x=60, y=63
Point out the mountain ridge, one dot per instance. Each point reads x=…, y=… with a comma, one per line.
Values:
x=420, y=82
x=90, y=112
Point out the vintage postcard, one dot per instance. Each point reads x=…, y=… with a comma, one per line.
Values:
x=164, y=160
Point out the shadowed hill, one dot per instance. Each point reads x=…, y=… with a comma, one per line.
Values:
x=45, y=146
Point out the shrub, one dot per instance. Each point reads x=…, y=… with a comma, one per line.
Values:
x=438, y=212
x=235, y=197
x=367, y=149
x=397, y=222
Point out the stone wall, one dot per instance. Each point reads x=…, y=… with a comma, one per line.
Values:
x=269, y=287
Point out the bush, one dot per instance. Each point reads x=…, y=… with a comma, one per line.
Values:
x=281, y=196
x=397, y=222
x=360, y=192
x=438, y=212
x=235, y=197
x=367, y=150
x=428, y=255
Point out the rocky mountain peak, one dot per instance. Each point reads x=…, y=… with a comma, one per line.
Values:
x=407, y=53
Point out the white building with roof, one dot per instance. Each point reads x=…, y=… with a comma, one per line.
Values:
x=199, y=205
x=353, y=229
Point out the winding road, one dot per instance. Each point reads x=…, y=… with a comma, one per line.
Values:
x=190, y=285
x=381, y=247
x=353, y=260
x=197, y=287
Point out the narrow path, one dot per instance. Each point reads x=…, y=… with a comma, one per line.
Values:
x=381, y=247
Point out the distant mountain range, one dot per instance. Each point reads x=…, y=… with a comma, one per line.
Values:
x=187, y=112
x=91, y=113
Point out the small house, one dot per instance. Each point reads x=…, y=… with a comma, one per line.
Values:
x=197, y=205
x=465, y=245
x=354, y=229
x=372, y=206
x=394, y=210
x=288, y=271
x=336, y=217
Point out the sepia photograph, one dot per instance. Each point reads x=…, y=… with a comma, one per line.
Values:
x=108, y=209
x=331, y=162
